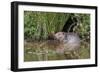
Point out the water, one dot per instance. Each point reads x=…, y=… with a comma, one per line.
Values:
x=47, y=50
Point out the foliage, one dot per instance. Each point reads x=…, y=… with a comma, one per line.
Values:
x=84, y=26
x=39, y=24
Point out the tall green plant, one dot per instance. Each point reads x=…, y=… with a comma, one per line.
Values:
x=38, y=25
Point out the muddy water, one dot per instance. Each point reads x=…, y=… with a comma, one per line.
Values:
x=48, y=50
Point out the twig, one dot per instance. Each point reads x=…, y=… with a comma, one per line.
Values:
x=70, y=27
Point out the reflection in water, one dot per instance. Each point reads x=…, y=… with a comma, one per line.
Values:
x=53, y=50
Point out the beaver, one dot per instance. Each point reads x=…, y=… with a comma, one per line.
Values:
x=71, y=40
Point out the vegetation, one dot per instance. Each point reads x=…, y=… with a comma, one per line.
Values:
x=39, y=25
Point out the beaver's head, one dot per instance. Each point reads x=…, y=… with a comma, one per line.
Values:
x=59, y=36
